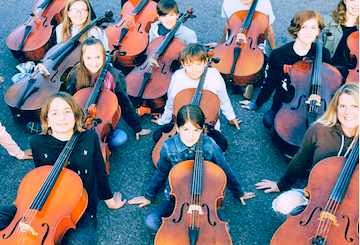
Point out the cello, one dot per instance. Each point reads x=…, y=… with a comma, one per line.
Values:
x=206, y=100
x=242, y=61
x=150, y=83
x=50, y=200
x=331, y=221
x=33, y=38
x=132, y=31
x=315, y=82
x=102, y=109
x=25, y=98
x=198, y=187
x=353, y=44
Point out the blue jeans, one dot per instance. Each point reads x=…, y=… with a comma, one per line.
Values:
x=84, y=234
x=268, y=119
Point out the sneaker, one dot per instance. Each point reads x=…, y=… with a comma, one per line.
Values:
x=142, y=110
x=249, y=92
x=34, y=127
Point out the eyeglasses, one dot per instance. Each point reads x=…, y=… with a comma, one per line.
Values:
x=77, y=11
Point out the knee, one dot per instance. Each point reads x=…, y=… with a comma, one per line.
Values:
x=153, y=222
x=268, y=119
x=288, y=201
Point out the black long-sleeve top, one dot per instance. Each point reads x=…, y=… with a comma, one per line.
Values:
x=86, y=160
x=280, y=62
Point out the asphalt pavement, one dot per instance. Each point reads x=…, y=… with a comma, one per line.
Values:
x=251, y=152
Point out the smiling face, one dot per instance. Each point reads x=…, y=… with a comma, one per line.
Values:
x=189, y=134
x=78, y=13
x=169, y=20
x=93, y=57
x=308, y=32
x=194, y=69
x=61, y=119
x=348, y=114
x=352, y=7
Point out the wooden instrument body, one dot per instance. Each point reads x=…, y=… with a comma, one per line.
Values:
x=41, y=36
x=136, y=40
x=174, y=229
x=61, y=211
x=159, y=81
x=249, y=65
x=300, y=229
x=209, y=103
x=108, y=110
x=291, y=120
x=353, y=44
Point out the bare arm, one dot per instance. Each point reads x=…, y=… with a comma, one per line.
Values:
x=271, y=37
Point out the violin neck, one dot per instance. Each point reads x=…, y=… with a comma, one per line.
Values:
x=50, y=181
x=247, y=21
x=197, y=177
x=93, y=98
x=342, y=182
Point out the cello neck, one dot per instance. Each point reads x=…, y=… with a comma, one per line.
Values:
x=247, y=21
x=172, y=33
x=342, y=182
x=140, y=7
x=93, y=98
x=49, y=182
x=197, y=177
x=197, y=95
x=317, y=71
x=45, y=4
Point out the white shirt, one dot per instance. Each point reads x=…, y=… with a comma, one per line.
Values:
x=213, y=82
x=95, y=32
x=230, y=7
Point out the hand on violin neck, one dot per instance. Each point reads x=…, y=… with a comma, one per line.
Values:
x=268, y=185
x=43, y=70
x=142, y=132
x=141, y=200
x=247, y=195
x=116, y=201
x=247, y=104
x=236, y=122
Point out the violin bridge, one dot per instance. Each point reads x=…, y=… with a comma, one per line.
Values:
x=327, y=215
x=315, y=97
x=195, y=208
x=24, y=228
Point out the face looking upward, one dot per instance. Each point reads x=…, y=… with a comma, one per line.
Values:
x=348, y=114
x=352, y=7
x=61, y=119
x=93, y=58
x=78, y=14
x=308, y=32
x=194, y=69
x=169, y=20
x=189, y=134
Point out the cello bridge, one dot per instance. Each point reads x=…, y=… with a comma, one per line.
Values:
x=315, y=97
x=130, y=22
x=327, y=215
x=24, y=228
x=195, y=208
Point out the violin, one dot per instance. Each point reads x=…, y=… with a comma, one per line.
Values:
x=102, y=109
x=50, y=200
x=150, y=83
x=25, y=97
x=314, y=82
x=206, y=100
x=353, y=44
x=132, y=31
x=332, y=214
x=198, y=188
x=242, y=61
x=31, y=40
